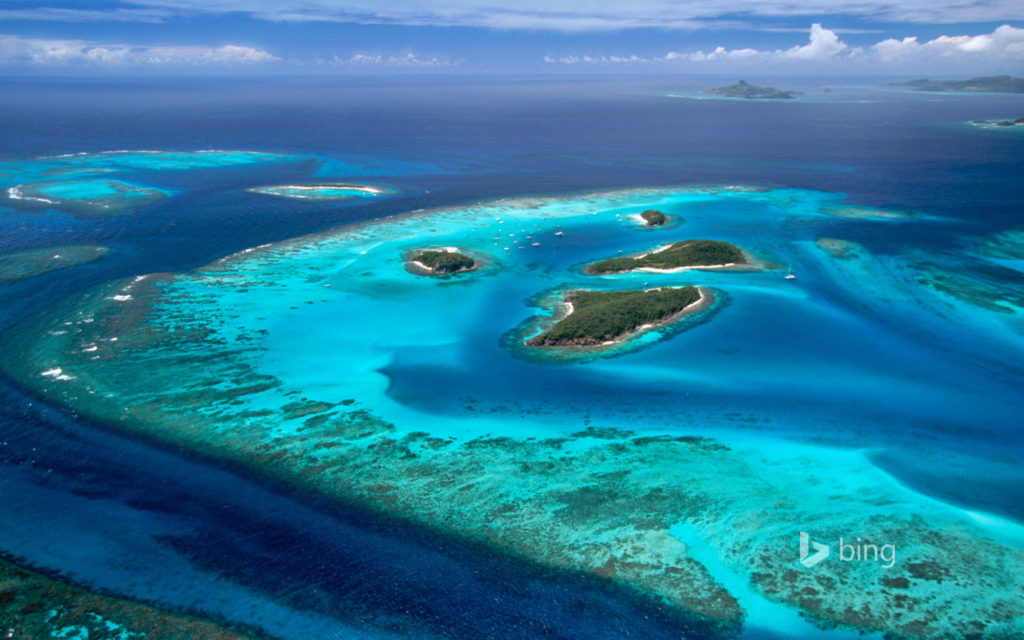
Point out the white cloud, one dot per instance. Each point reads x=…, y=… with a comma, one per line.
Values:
x=408, y=60
x=62, y=14
x=1004, y=45
x=824, y=44
x=15, y=49
x=586, y=15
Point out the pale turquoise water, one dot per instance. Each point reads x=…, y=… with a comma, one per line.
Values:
x=85, y=198
x=83, y=165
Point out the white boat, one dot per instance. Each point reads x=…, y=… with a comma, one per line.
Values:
x=789, y=274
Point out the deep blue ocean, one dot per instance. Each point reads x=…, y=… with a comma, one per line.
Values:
x=127, y=518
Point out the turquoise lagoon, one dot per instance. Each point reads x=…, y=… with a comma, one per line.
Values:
x=685, y=466
x=84, y=198
x=82, y=183
x=89, y=164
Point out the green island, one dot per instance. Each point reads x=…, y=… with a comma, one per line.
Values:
x=986, y=84
x=35, y=606
x=744, y=89
x=444, y=261
x=680, y=255
x=654, y=218
x=601, y=317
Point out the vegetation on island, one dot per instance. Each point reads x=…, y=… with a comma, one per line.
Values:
x=654, y=218
x=744, y=89
x=601, y=316
x=987, y=84
x=445, y=261
x=688, y=253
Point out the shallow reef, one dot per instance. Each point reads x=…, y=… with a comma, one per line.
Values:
x=866, y=213
x=84, y=198
x=33, y=262
x=225, y=376
x=1008, y=245
x=35, y=606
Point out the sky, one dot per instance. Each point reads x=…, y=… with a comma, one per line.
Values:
x=934, y=38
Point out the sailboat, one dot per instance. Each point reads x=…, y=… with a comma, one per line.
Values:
x=789, y=273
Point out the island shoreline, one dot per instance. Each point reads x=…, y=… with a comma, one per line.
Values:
x=706, y=299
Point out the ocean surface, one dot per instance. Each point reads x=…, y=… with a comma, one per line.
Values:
x=893, y=359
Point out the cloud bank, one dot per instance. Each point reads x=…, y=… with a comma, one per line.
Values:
x=16, y=49
x=585, y=15
x=1004, y=45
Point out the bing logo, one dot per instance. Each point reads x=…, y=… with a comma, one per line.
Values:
x=848, y=552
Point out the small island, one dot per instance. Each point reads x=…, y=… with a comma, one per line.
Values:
x=744, y=89
x=602, y=318
x=653, y=218
x=688, y=254
x=1019, y=122
x=329, y=191
x=987, y=84
x=441, y=262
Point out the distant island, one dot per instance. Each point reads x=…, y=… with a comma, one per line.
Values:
x=605, y=317
x=987, y=84
x=743, y=89
x=1019, y=122
x=446, y=261
x=687, y=254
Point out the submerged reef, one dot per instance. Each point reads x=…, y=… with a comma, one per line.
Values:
x=971, y=287
x=866, y=213
x=604, y=317
x=35, y=606
x=167, y=160
x=71, y=182
x=679, y=255
x=33, y=262
x=1008, y=245
x=264, y=359
x=83, y=198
